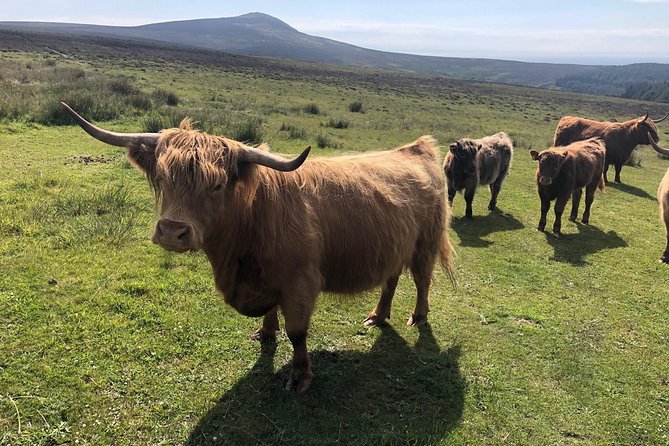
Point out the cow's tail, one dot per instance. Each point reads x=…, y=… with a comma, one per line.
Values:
x=601, y=186
x=446, y=251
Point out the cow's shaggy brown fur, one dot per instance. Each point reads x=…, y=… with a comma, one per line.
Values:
x=663, y=199
x=620, y=138
x=563, y=172
x=473, y=162
x=276, y=239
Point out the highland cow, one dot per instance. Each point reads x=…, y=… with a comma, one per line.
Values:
x=470, y=163
x=277, y=232
x=563, y=172
x=620, y=138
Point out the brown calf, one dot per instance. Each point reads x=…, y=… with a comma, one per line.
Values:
x=473, y=162
x=277, y=234
x=563, y=172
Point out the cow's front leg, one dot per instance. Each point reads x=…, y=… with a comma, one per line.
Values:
x=575, y=201
x=269, y=327
x=469, y=198
x=545, y=206
x=297, y=309
x=560, y=204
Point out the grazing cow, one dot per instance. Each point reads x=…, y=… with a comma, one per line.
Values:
x=563, y=172
x=620, y=137
x=276, y=235
x=473, y=162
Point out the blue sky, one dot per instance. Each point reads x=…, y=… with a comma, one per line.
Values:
x=596, y=31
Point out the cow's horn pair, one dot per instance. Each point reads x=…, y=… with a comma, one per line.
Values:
x=654, y=120
x=250, y=154
x=657, y=148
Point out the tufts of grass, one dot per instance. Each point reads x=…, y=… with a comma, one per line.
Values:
x=324, y=140
x=356, y=107
x=337, y=123
x=294, y=132
x=311, y=109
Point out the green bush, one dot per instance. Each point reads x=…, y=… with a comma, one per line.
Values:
x=337, y=123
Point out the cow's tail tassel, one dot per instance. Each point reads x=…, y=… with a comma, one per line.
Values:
x=601, y=185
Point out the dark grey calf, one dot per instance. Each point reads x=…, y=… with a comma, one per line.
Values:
x=473, y=162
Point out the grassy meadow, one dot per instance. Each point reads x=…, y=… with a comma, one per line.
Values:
x=105, y=339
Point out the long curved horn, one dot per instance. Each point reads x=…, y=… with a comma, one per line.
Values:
x=257, y=156
x=659, y=120
x=113, y=138
x=657, y=148
x=643, y=119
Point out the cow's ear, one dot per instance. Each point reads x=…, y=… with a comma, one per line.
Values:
x=453, y=147
x=143, y=157
x=534, y=154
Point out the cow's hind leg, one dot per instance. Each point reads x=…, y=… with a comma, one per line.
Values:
x=382, y=310
x=421, y=269
x=575, y=202
x=269, y=327
x=589, y=198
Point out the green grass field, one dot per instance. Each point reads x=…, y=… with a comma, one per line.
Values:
x=107, y=339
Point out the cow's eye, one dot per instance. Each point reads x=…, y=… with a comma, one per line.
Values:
x=217, y=187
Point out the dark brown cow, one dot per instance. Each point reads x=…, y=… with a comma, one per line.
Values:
x=620, y=137
x=473, y=162
x=276, y=236
x=563, y=172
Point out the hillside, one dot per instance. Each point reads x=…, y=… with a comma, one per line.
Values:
x=262, y=35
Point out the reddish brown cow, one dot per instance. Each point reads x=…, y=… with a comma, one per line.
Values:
x=276, y=235
x=620, y=137
x=563, y=172
x=473, y=162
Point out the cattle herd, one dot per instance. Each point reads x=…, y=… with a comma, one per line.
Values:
x=277, y=232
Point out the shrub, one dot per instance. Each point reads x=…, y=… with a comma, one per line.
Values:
x=294, y=132
x=312, y=109
x=356, y=107
x=165, y=97
x=323, y=141
x=337, y=123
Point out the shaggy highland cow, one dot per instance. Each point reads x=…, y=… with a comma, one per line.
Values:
x=620, y=138
x=563, y=172
x=277, y=232
x=470, y=163
x=663, y=199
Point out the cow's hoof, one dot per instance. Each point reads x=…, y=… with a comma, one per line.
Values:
x=664, y=259
x=572, y=218
x=416, y=319
x=492, y=207
x=468, y=217
x=374, y=320
x=299, y=381
x=557, y=232
x=541, y=228
x=585, y=221
x=263, y=336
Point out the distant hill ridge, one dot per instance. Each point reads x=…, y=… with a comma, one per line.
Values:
x=259, y=34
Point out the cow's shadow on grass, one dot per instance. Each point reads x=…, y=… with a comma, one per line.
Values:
x=473, y=232
x=629, y=189
x=392, y=394
x=573, y=248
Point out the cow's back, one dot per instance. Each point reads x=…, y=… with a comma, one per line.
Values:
x=571, y=129
x=494, y=157
x=372, y=211
x=588, y=158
